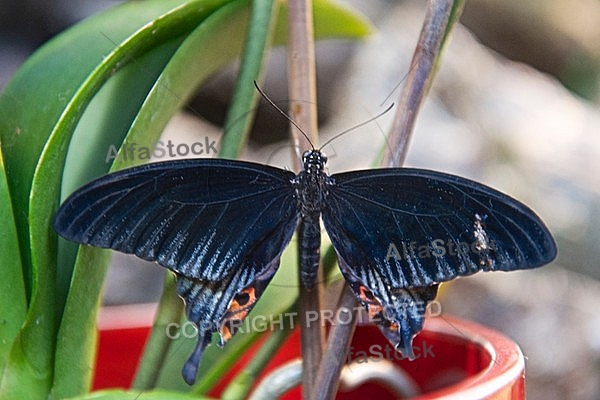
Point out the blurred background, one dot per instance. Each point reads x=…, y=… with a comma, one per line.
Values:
x=514, y=106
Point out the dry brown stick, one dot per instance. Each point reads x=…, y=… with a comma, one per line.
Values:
x=302, y=94
x=416, y=87
x=339, y=338
x=418, y=80
x=302, y=80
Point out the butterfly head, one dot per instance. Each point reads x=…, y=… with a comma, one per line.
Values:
x=314, y=161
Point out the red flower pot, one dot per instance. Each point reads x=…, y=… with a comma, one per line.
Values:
x=456, y=359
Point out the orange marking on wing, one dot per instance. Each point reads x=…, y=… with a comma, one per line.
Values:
x=242, y=301
x=238, y=310
x=225, y=333
x=366, y=295
x=375, y=311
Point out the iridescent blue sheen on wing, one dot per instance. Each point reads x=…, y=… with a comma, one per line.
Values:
x=201, y=218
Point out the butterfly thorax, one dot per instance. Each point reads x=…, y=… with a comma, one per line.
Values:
x=311, y=184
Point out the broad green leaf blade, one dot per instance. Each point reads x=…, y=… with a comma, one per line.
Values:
x=104, y=123
x=331, y=20
x=103, y=126
x=74, y=363
x=213, y=44
x=77, y=337
x=223, y=29
x=35, y=105
x=13, y=302
x=245, y=96
x=337, y=20
x=52, y=87
x=133, y=394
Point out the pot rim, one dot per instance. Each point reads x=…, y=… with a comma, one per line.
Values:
x=505, y=371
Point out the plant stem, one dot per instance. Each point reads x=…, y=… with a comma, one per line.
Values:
x=302, y=92
x=241, y=385
x=422, y=71
x=302, y=81
x=337, y=346
x=170, y=308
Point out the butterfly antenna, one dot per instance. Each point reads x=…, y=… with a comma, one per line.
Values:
x=271, y=102
x=359, y=125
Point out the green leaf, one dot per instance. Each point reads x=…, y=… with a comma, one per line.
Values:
x=74, y=362
x=36, y=106
x=184, y=72
x=213, y=44
x=241, y=112
x=51, y=90
x=77, y=338
x=336, y=20
x=133, y=394
x=13, y=303
x=104, y=123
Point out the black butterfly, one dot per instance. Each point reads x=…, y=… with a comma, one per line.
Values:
x=221, y=226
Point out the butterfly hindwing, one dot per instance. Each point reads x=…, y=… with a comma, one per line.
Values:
x=399, y=313
x=220, y=306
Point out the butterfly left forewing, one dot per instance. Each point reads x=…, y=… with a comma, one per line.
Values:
x=197, y=217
